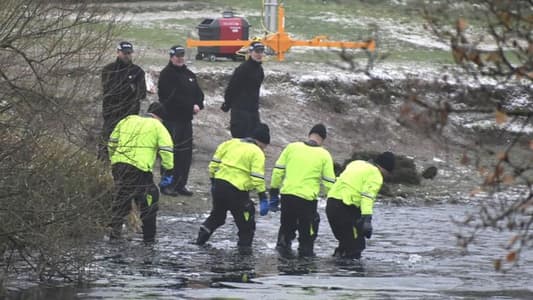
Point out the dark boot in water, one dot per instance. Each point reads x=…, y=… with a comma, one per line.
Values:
x=352, y=255
x=283, y=246
x=306, y=250
x=203, y=236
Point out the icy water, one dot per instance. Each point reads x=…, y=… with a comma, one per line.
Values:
x=412, y=255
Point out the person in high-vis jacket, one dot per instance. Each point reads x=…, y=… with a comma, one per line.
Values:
x=299, y=172
x=237, y=167
x=133, y=147
x=351, y=200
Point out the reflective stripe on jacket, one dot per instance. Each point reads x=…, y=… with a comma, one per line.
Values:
x=300, y=169
x=358, y=185
x=240, y=162
x=136, y=141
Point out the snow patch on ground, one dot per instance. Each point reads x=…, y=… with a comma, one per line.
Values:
x=387, y=29
x=140, y=18
x=421, y=40
x=514, y=127
x=522, y=102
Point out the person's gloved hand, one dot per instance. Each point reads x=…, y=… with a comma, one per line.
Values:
x=274, y=199
x=225, y=107
x=366, y=225
x=263, y=207
x=274, y=203
x=166, y=181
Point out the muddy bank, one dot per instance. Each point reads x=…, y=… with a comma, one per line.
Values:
x=362, y=114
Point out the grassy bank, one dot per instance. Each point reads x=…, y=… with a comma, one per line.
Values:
x=338, y=20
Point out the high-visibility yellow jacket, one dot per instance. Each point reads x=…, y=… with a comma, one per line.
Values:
x=240, y=162
x=358, y=185
x=136, y=141
x=300, y=169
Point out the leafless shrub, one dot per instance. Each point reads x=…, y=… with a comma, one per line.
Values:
x=503, y=52
x=54, y=194
x=498, y=49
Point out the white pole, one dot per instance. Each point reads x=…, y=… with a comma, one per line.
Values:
x=271, y=15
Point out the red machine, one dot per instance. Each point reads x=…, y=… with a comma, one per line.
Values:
x=280, y=42
x=228, y=28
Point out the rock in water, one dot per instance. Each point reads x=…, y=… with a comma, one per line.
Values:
x=430, y=172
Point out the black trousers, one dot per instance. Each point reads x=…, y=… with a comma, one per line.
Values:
x=243, y=122
x=181, y=132
x=132, y=183
x=298, y=214
x=342, y=220
x=227, y=197
x=107, y=129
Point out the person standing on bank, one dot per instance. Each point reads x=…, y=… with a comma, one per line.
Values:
x=124, y=86
x=237, y=167
x=299, y=170
x=133, y=148
x=182, y=98
x=242, y=93
x=351, y=200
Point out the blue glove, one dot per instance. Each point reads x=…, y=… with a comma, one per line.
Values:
x=274, y=202
x=263, y=207
x=166, y=181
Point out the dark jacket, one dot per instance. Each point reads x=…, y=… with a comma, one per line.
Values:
x=243, y=88
x=179, y=91
x=123, y=86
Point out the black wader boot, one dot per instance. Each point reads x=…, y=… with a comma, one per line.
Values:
x=306, y=249
x=283, y=246
x=203, y=236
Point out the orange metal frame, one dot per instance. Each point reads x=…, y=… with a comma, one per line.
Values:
x=281, y=42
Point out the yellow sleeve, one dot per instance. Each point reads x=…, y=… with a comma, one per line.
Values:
x=328, y=173
x=112, y=144
x=257, y=172
x=370, y=190
x=278, y=173
x=216, y=160
x=165, y=147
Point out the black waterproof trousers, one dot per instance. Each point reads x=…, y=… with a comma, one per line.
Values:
x=181, y=132
x=342, y=220
x=228, y=197
x=132, y=183
x=243, y=122
x=107, y=129
x=298, y=214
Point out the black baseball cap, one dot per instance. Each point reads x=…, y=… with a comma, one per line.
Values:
x=176, y=50
x=125, y=47
x=257, y=46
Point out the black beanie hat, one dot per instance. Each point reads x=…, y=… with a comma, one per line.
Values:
x=319, y=129
x=157, y=109
x=262, y=133
x=386, y=161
